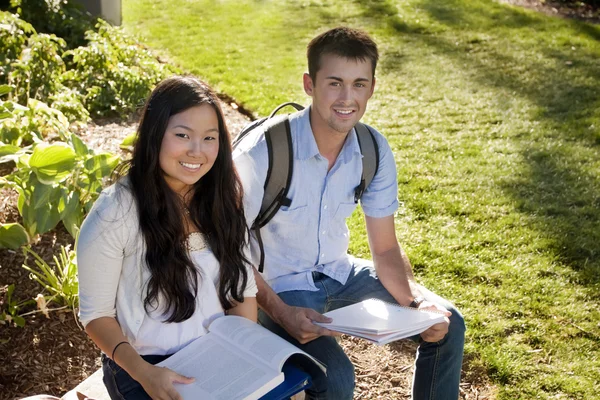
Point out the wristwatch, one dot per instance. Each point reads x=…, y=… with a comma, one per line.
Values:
x=416, y=302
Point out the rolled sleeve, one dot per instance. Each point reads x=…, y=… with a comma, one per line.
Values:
x=100, y=253
x=381, y=197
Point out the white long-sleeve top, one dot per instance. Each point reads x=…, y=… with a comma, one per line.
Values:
x=113, y=278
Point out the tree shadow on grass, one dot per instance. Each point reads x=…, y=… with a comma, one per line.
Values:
x=559, y=77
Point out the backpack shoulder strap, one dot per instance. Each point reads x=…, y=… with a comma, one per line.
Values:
x=279, y=173
x=280, y=150
x=370, y=160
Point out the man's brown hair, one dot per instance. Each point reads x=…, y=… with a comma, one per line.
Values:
x=342, y=42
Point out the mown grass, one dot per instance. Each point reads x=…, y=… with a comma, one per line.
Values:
x=494, y=116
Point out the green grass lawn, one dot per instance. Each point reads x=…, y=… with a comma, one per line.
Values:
x=494, y=116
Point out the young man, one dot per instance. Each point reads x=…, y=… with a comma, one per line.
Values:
x=307, y=270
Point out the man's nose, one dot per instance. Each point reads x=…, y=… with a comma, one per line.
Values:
x=344, y=93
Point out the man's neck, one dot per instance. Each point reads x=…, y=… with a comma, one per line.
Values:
x=329, y=142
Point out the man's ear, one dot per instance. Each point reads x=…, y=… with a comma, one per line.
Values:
x=372, y=87
x=308, y=84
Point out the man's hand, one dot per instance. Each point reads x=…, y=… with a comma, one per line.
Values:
x=298, y=322
x=437, y=331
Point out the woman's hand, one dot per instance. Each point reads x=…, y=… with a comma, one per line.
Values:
x=158, y=382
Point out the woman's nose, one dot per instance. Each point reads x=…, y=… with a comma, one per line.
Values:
x=196, y=148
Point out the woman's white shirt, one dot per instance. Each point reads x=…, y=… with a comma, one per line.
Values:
x=112, y=278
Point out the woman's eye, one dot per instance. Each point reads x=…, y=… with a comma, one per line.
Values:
x=210, y=138
x=182, y=135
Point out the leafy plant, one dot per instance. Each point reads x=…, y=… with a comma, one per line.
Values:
x=13, y=236
x=59, y=280
x=13, y=37
x=113, y=73
x=10, y=313
x=63, y=18
x=37, y=71
x=59, y=181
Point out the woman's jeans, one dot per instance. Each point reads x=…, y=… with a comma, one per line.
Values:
x=120, y=385
x=437, y=367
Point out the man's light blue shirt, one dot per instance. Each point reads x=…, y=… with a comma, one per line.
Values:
x=311, y=234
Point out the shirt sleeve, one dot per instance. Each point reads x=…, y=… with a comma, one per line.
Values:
x=101, y=248
x=251, y=162
x=380, y=199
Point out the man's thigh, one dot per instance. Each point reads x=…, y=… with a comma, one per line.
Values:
x=362, y=284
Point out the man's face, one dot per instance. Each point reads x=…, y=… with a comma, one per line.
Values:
x=339, y=92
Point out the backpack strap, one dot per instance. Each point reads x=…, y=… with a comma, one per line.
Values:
x=279, y=173
x=278, y=137
x=370, y=158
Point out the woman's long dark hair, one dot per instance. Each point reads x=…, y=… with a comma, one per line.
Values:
x=215, y=208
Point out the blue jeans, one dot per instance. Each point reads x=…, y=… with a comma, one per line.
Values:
x=119, y=384
x=437, y=367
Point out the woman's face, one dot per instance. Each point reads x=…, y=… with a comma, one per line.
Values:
x=189, y=147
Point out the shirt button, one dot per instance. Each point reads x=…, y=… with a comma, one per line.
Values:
x=324, y=232
x=322, y=254
x=325, y=207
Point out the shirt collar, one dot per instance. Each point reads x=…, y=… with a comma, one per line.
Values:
x=306, y=145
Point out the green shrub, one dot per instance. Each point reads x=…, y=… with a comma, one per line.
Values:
x=63, y=18
x=36, y=74
x=113, y=73
x=14, y=33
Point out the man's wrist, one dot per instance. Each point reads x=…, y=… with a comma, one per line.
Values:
x=416, y=302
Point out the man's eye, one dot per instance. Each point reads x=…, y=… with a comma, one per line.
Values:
x=335, y=84
x=360, y=85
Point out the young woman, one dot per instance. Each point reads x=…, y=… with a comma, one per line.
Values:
x=162, y=252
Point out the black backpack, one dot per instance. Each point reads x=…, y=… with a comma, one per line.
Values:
x=281, y=161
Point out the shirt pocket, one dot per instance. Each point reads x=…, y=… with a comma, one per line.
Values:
x=289, y=223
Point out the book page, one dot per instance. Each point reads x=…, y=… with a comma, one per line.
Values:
x=222, y=372
x=377, y=317
x=258, y=341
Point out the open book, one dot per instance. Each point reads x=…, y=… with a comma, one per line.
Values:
x=237, y=359
x=381, y=322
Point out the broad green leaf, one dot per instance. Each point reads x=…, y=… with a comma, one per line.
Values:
x=52, y=163
x=46, y=218
x=5, y=114
x=4, y=89
x=129, y=141
x=101, y=165
x=80, y=147
x=71, y=212
x=44, y=194
x=13, y=236
x=7, y=149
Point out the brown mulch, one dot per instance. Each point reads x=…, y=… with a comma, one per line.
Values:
x=52, y=355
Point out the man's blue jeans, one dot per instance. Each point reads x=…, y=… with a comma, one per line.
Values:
x=437, y=367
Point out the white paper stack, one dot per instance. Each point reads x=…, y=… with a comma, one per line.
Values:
x=381, y=322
